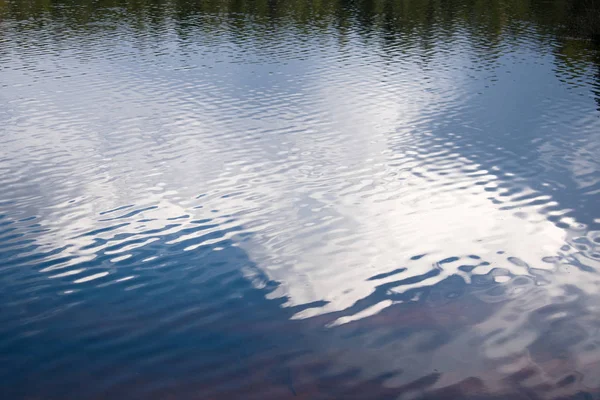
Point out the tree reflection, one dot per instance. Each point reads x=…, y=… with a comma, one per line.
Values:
x=573, y=24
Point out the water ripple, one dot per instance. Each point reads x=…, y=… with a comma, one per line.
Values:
x=366, y=200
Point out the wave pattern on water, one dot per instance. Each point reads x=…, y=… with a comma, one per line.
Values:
x=213, y=204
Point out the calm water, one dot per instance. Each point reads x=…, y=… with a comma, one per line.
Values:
x=290, y=199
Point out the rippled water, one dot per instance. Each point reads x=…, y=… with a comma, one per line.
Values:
x=273, y=200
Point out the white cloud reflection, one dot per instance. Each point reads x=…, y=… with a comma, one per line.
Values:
x=338, y=174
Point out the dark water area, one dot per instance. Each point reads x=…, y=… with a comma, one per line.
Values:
x=299, y=200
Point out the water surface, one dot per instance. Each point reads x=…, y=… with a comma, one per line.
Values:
x=283, y=199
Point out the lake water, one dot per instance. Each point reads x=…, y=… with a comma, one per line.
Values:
x=290, y=199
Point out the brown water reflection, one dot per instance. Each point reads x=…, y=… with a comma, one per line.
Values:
x=348, y=361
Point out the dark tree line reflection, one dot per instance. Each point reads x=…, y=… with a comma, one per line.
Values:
x=573, y=25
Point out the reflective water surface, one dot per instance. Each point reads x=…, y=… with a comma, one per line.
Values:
x=380, y=199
